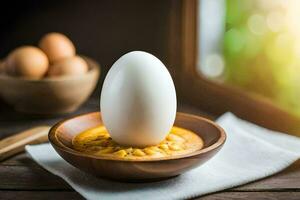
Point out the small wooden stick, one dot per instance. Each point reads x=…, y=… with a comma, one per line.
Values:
x=15, y=144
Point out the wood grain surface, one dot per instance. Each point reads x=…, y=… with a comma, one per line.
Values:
x=21, y=178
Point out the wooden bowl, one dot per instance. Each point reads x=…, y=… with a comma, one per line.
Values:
x=60, y=136
x=55, y=95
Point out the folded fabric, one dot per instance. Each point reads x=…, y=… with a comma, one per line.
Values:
x=250, y=153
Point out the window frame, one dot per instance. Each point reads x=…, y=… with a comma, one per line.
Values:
x=207, y=94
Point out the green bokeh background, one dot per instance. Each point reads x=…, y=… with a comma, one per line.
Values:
x=263, y=63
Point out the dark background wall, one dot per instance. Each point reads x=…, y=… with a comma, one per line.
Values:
x=101, y=29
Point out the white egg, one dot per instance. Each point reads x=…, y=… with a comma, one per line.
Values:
x=138, y=100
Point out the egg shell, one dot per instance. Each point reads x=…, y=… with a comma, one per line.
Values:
x=27, y=61
x=138, y=100
x=57, y=46
x=68, y=67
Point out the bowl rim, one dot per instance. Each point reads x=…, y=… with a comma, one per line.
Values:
x=93, y=65
x=58, y=144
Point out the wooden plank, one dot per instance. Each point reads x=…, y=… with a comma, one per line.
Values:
x=49, y=195
x=289, y=179
x=24, y=174
x=15, y=144
x=45, y=195
x=253, y=195
x=22, y=159
x=29, y=178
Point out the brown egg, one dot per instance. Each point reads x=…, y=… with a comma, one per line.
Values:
x=27, y=61
x=57, y=46
x=68, y=67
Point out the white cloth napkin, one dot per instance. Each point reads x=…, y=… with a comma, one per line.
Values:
x=250, y=153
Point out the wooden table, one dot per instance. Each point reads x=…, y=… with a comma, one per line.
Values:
x=21, y=178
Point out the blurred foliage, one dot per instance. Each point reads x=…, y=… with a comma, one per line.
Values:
x=262, y=49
